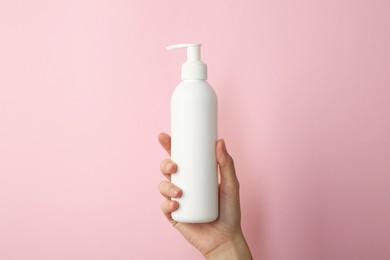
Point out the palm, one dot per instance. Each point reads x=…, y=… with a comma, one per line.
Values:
x=203, y=236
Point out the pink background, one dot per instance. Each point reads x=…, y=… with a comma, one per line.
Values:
x=304, y=100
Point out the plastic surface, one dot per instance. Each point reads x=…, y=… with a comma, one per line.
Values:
x=193, y=68
x=194, y=134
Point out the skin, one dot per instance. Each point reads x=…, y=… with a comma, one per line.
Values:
x=222, y=238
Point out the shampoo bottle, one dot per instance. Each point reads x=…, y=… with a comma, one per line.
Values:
x=194, y=135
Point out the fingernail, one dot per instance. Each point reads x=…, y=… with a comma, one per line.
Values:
x=168, y=167
x=171, y=204
x=175, y=192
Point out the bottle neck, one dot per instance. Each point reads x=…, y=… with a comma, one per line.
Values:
x=194, y=70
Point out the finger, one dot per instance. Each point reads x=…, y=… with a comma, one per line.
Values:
x=226, y=167
x=168, y=167
x=167, y=207
x=165, y=141
x=169, y=190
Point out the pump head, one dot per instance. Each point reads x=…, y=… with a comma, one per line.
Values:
x=193, y=68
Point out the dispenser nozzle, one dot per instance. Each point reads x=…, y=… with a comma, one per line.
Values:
x=193, y=50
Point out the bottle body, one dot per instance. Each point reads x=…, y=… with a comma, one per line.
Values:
x=194, y=135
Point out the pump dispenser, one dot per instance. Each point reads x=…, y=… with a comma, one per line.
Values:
x=193, y=139
x=194, y=68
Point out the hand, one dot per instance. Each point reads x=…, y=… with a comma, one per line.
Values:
x=222, y=238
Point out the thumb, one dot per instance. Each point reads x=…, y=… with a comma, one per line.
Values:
x=226, y=166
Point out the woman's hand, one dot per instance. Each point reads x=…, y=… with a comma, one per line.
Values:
x=222, y=238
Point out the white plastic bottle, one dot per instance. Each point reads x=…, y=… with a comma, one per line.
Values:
x=194, y=135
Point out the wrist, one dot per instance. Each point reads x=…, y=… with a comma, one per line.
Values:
x=234, y=249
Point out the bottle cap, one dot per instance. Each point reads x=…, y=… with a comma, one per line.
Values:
x=193, y=68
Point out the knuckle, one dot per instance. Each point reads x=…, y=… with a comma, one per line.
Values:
x=161, y=185
x=162, y=165
x=164, y=206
